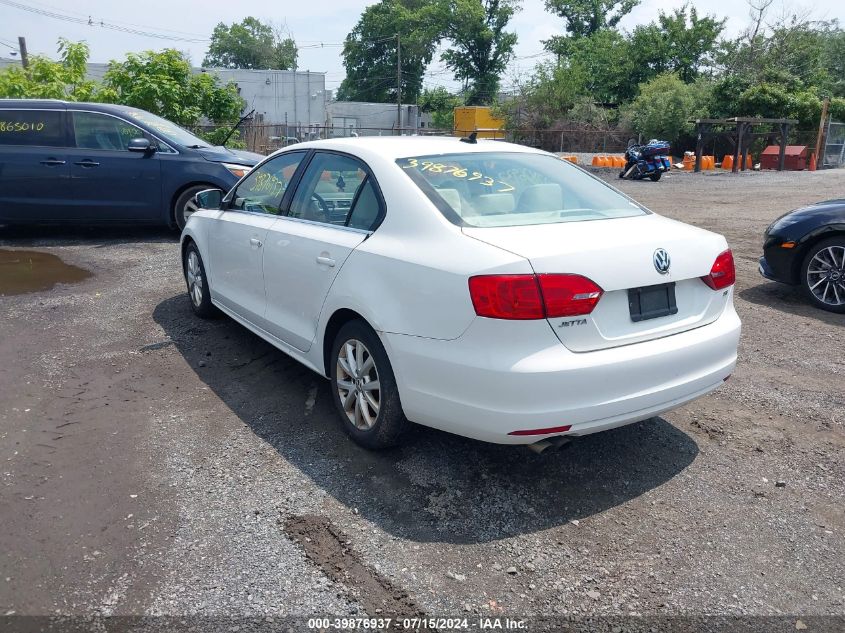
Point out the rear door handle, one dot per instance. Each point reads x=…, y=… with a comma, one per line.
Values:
x=326, y=261
x=87, y=163
x=53, y=161
x=253, y=241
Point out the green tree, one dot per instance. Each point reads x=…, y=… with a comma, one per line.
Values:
x=369, y=52
x=605, y=60
x=548, y=96
x=665, y=105
x=679, y=42
x=441, y=104
x=250, y=44
x=48, y=79
x=480, y=47
x=162, y=83
x=585, y=17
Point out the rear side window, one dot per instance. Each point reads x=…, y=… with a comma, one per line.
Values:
x=366, y=210
x=101, y=131
x=335, y=189
x=44, y=128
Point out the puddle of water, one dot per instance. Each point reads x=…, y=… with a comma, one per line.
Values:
x=32, y=271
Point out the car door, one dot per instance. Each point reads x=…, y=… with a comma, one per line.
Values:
x=334, y=208
x=108, y=182
x=34, y=170
x=237, y=237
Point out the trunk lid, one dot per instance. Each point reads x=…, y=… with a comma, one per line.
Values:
x=618, y=255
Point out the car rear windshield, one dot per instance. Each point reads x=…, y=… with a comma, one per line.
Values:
x=486, y=189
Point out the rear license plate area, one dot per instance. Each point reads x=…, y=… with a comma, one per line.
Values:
x=652, y=302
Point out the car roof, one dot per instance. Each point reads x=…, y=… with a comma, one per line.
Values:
x=58, y=104
x=393, y=147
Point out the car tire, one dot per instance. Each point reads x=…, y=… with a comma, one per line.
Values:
x=372, y=417
x=823, y=274
x=184, y=205
x=199, y=294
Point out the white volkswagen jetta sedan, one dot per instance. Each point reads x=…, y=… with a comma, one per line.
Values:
x=485, y=289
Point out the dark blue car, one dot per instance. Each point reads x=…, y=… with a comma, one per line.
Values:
x=92, y=163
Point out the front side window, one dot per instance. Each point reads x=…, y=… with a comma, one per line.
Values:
x=329, y=188
x=262, y=190
x=101, y=131
x=44, y=128
x=486, y=189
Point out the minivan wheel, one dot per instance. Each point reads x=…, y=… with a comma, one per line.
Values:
x=823, y=274
x=364, y=388
x=184, y=205
x=199, y=293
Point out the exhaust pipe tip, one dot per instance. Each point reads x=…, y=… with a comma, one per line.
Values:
x=541, y=446
x=558, y=441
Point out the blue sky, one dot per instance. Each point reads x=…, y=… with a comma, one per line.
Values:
x=319, y=26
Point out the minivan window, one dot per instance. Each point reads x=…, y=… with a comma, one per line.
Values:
x=169, y=130
x=487, y=189
x=101, y=131
x=44, y=128
x=263, y=188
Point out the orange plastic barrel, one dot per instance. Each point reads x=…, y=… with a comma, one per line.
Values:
x=728, y=161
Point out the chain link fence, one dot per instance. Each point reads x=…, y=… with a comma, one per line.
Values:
x=266, y=138
x=834, y=145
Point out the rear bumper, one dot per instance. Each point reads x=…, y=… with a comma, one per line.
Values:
x=504, y=376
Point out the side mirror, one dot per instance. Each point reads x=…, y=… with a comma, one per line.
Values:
x=141, y=145
x=208, y=199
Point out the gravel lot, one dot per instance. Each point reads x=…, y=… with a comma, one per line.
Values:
x=154, y=463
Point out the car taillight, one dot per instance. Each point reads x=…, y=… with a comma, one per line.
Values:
x=723, y=273
x=568, y=295
x=523, y=297
x=506, y=296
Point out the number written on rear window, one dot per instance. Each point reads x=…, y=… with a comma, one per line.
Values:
x=43, y=128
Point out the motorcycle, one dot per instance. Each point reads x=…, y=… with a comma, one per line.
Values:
x=646, y=161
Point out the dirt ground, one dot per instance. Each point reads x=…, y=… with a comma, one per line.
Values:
x=154, y=463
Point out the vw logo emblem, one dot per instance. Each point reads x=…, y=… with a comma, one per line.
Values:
x=661, y=261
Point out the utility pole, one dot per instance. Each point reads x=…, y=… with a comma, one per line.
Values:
x=820, y=137
x=24, y=56
x=398, y=87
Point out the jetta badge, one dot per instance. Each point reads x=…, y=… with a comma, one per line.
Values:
x=661, y=261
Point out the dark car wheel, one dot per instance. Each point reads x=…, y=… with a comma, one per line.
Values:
x=184, y=205
x=364, y=388
x=197, y=282
x=823, y=274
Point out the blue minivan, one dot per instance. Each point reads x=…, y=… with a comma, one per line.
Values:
x=93, y=163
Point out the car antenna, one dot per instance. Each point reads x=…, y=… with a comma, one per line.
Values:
x=470, y=139
x=236, y=126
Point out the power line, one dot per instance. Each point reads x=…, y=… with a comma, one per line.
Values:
x=100, y=23
x=12, y=46
x=140, y=26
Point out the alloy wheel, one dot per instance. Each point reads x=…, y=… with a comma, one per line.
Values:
x=193, y=273
x=358, y=384
x=826, y=275
x=188, y=210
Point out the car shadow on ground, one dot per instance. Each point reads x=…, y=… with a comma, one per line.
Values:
x=789, y=299
x=96, y=236
x=438, y=487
